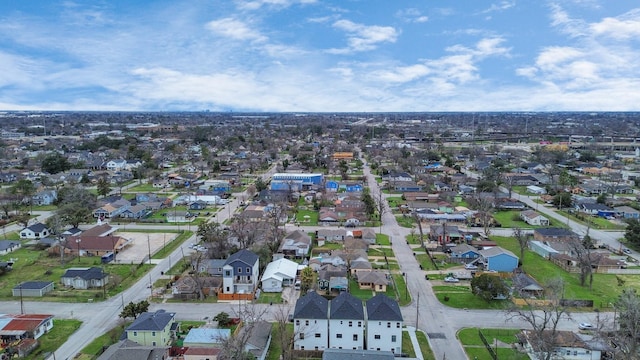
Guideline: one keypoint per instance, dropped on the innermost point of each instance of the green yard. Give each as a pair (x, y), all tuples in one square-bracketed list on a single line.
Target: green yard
[(500, 339), (511, 219), (51, 340)]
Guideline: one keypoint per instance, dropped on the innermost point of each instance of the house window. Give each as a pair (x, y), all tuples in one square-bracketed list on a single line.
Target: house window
[(135, 333), (355, 337), (301, 336), (227, 289), (339, 336), (377, 337), (153, 343), (388, 324), (398, 325), (350, 323), (227, 273), (318, 335), (306, 322), (301, 347), (393, 338), (153, 333), (239, 270), (248, 270), (359, 323)]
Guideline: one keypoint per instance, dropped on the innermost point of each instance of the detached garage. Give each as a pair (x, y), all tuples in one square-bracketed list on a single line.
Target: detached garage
[(33, 288)]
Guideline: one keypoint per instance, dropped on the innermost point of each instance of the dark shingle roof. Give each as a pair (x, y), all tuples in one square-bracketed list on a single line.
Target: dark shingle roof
[(243, 255), (346, 306), (33, 285), (381, 307), (152, 321), (554, 232), (37, 227), (311, 306), (85, 273)]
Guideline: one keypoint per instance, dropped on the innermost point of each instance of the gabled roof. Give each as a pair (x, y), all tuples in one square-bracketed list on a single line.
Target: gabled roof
[(152, 321), (346, 306), (8, 244), (495, 251), (37, 227), (374, 277), (311, 306), (244, 256), (18, 324), (277, 268), (554, 232), (382, 307), (33, 285), (85, 273)]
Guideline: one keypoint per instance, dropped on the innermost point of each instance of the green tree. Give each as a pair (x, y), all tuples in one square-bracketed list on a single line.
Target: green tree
[(489, 287), (260, 184), (223, 319), (562, 199), (103, 186), (24, 189), (632, 233), (132, 310), (54, 163), (306, 279), (75, 204)]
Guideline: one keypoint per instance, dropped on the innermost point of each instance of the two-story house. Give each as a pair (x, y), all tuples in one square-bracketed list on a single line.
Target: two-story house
[(346, 322), (240, 276), (311, 322), (384, 324), (153, 328)]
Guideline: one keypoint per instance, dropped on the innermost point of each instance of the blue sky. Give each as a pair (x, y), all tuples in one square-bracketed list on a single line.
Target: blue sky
[(320, 55)]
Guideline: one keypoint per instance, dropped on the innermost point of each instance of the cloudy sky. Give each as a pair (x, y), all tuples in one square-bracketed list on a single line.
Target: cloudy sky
[(320, 55)]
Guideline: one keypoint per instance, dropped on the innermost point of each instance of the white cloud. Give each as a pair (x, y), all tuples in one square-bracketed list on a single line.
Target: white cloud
[(257, 4), (363, 38), (500, 6), (412, 15), (625, 27), (561, 19), (235, 29), (402, 74)]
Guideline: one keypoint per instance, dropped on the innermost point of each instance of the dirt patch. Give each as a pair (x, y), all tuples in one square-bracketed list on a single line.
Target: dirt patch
[(141, 243)]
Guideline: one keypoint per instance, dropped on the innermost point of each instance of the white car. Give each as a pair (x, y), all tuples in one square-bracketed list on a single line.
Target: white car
[(586, 326), (450, 279), (471, 267)]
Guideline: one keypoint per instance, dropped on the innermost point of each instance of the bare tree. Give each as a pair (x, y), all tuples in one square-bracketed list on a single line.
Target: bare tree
[(581, 250), (286, 338), (543, 319), (484, 206), (197, 258), (275, 215), (234, 347), (523, 241), (381, 207), (246, 232), (627, 335)]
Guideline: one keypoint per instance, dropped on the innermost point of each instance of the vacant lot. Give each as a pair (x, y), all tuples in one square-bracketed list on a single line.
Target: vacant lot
[(141, 244)]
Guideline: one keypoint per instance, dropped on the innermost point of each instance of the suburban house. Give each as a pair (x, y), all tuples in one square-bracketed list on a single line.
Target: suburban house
[(32, 288), (87, 245), (116, 164), (627, 212), (327, 272), (532, 217), (464, 253), (112, 210), (187, 286), (569, 345), (44, 198), (85, 278), (277, 274), (135, 212), (384, 324), (153, 328), (7, 246), (24, 326), (212, 266), (444, 234), (258, 340), (206, 337), (554, 234), (240, 276), (330, 235), (178, 216), (295, 245), (127, 349), (35, 231), (346, 322), (375, 280), (311, 322), (595, 209), (499, 259)]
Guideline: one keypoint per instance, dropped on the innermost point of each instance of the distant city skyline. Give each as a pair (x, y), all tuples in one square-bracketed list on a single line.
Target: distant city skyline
[(320, 56)]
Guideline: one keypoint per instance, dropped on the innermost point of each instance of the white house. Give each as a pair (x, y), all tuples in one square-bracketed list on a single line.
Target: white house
[(116, 164), (531, 217), (35, 231), (346, 322), (277, 274), (311, 322), (384, 324), (569, 346)]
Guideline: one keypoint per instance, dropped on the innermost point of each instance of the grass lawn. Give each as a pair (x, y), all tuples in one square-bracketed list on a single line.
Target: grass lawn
[(595, 222), (507, 220), (57, 336), (381, 252), (605, 286), (143, 188), (405, 221), (109, 338), (460, 297), (403, 294), (427, 353), (172, 245), (11, 236), (44, 207), (307, 217), (267, 298), (395, 201), (474, 347), (360, 293), (441, 262), (382, 239), (36, 265), (407, 346), (275, 348)]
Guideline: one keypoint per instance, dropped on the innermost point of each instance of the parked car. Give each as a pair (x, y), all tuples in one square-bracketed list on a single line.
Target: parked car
[(586, 326), (451, 279), (471, 267), (626, 251)]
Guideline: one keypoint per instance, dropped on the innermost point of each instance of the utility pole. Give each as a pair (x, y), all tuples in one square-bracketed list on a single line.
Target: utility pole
[(417, 311)]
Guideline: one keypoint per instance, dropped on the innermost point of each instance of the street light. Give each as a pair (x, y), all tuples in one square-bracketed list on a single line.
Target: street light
[(78, 241)]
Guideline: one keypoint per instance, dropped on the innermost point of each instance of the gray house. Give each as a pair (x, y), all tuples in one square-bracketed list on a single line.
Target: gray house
[(7, 246), (85, 278)]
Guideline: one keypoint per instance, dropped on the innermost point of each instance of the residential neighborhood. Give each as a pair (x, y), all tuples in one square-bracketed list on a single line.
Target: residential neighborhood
[(349, 232)]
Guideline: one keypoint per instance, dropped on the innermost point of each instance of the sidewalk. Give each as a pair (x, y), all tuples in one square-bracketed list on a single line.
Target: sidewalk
[(414, 341)]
